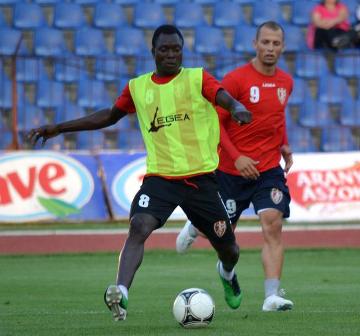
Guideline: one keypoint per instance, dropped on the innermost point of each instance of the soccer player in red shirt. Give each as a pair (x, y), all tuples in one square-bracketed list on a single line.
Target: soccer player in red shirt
[(249, 169)]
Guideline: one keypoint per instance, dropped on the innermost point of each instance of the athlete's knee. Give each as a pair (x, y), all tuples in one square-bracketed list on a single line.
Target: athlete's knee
[(229, 253), (271, 221), (141, 226), (272, 231)]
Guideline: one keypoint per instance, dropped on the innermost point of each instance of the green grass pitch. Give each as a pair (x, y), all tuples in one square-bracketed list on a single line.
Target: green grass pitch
[(63, 295)]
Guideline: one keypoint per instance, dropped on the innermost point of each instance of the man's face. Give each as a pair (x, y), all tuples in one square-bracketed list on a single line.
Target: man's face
[(168, 54), (269, 45)]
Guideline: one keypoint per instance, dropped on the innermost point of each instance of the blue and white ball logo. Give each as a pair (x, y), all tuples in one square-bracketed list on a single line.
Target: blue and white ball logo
[(127, 182)]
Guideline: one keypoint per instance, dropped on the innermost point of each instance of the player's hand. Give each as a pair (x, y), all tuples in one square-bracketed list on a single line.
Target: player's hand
[(247, 167), (287, 156), (240, 114), (44, 132)]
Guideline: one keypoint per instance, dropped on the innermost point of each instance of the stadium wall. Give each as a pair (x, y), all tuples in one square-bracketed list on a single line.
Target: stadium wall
[(43, 186)]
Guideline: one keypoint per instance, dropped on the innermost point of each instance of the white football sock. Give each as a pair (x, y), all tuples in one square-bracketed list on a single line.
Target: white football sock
[(271, 287), (225, 274), (124, 291)]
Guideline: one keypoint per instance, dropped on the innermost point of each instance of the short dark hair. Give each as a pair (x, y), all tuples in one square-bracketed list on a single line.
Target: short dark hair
[(168, 30), (271, 25)]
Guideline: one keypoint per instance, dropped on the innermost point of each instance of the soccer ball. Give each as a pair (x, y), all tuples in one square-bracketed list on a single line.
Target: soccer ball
[(194, 308)]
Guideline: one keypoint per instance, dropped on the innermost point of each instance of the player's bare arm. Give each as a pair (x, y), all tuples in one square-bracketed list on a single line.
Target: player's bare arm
[(237, 110), (100, 119), (287, 156)]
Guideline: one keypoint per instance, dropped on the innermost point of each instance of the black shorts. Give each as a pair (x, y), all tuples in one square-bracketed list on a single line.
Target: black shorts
[(268, 191), (199, 198)]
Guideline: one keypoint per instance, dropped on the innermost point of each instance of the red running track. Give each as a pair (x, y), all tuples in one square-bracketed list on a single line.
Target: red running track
[(47, 242)]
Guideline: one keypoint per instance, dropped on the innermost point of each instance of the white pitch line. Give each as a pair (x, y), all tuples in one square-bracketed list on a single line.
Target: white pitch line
[(240, 229)]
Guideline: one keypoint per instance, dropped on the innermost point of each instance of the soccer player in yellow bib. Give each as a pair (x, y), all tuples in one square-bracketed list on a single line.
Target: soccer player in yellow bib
[(180, 128)]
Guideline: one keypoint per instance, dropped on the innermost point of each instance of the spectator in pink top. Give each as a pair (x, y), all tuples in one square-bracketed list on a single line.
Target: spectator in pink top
[(329, 19)]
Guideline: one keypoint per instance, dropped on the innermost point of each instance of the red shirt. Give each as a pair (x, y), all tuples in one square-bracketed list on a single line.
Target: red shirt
[(266, 97), (210, 87)]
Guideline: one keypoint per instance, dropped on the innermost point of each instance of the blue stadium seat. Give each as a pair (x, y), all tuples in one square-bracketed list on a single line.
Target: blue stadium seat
[(50, 94), (227, 63), (110, 68), (193, 60), (122, 82), (55, 144), (352, 5), (30, 70), (122, 140), (282, 64), (50, 42), (53, 116), (205, 2), (93, 140), (2, 124), (130, 140), (6, 93), (70, 69), (227, 14), (245, 2), (313, 113), (28, 16), (2, 73), (347, 63), (5, 139), (189, 15), (129, 41), (47, 2), (126, 2), (148, 15), (333, 89), (301, 139), (86, 2), (358, 91), (167, 2), (9, 40), (9, 2), (337, 139), (3, 22), (109, 16), (144, 63), (290, 120), (30, 116), (300, 93), (301, 12), (266, 10), (69, 16), (135, 140), (92, 94), (69, 111), (284, 1), (350, 113), (294, 38), (209, 40), (310, 65), (90, 42), (243, 39)]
